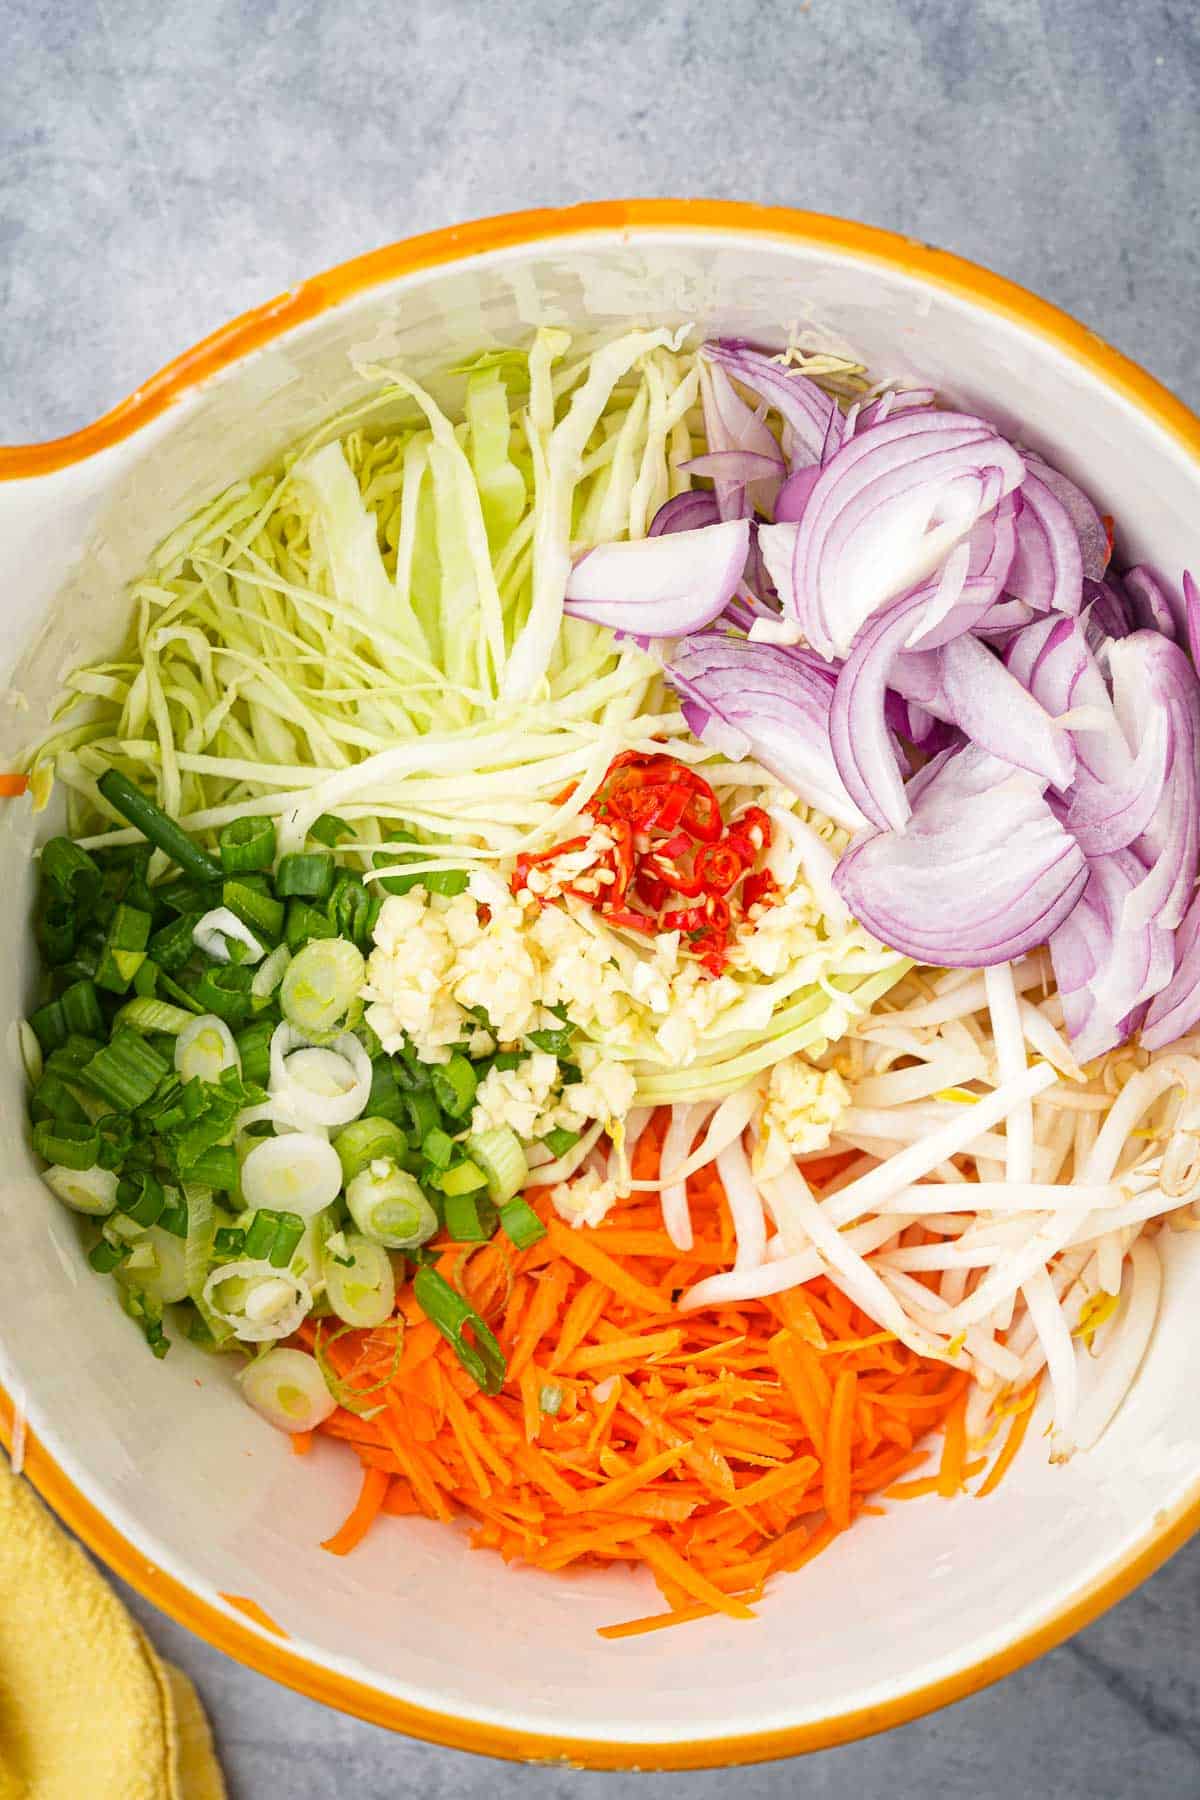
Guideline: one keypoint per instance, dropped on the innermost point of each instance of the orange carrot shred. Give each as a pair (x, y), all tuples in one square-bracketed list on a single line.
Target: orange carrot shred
[(371, 1497), (838, 1444), (1012, 1443)]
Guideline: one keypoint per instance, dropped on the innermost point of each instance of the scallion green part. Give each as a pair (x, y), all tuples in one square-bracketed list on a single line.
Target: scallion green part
[(330, 830), (454, 1085), (366, 1140), (125, 1072), (72, 872), (73, 1144), (245, 845), (470, 1219), (305, 875), (520, 1224), (261, 912), (81, 1009), (304, 923), (500, 1155), (463, 1328), (150, 1016), (153, 823), (224, 989), (559, 1141)]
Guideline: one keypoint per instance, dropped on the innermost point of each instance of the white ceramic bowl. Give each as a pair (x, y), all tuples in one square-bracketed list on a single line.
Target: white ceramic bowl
[(176, 1483)]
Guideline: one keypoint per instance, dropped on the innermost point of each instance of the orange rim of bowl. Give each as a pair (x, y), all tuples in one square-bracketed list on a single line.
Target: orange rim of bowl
[(267, 1654)]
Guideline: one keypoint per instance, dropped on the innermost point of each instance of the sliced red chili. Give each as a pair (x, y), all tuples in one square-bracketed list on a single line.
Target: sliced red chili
[(719, 866), (677, 876), (758, 887), (702, 816), (631, 921), (754, 824)]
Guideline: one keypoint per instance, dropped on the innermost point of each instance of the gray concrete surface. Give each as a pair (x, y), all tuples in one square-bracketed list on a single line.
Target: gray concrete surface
[(163, 166)]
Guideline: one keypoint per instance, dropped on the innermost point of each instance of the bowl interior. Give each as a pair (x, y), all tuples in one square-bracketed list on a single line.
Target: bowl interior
[(210, 1493)]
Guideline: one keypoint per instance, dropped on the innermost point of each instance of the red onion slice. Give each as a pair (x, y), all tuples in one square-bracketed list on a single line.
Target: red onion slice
[(1104, 971), (1047, 570), (805, 409), (792, 497), (886, 513), (1089, 526), (989, 705), (1176, 1008), (661, 586), (729, 424), (983, 873), (1191, 602), (770, 703), (859, 734), (686, 512), (1150, 673), (1152, 610)]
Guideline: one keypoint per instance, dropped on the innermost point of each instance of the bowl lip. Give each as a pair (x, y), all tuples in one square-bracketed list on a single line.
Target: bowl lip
[(227, 1629)]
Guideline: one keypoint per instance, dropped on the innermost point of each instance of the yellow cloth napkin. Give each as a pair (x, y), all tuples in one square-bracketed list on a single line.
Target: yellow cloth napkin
[(87, 1709)]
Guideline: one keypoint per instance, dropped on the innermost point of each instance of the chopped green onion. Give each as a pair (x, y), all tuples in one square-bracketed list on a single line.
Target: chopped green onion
[(350, 907), (386, 1101), (462, 1178), (174, 1217), (254, 1051), (124, 948), (81, 1009), (288, 1389), (330, 830), (520, 1224), (190, 896), (437, 1147), (49, 1025), (445, 1308), (55, 928), (387, 859), (224, 989), (365, 1141), (298, 1171), (141, 1199), (153, 1016), (321, 984), (559, 1141), (125, 1072), (223, 936), (306, 875), (72, 871), (422, 1110), (267, 977), (469, 1219), (229, 1240), (105, 1257), (500, 1156), (173, 943), (273, 1237), (52, 1099), (361, 1285), (154, 825), (92, 1191), (247, 844), (74, 1145), (304, 923), (204, 1049), (506, 1060), (454, 1085), (263, 914), (215, 1168), (389, 1206)]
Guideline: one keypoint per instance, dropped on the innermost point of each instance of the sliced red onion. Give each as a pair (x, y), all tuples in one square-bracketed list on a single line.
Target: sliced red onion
[(663, 586), (792, 497), (771, 703), (737, 467), (805, 409), (1191, 602), (980, 576), (729, 424), (990, 706), (1089, 526), (1047, 570), (1176, 1008), (885, 515), (894, 401), (1149, 673), (1109, 612), (859, 736), (1152, 610), (1104, 971), (983, 873), (686, 512)]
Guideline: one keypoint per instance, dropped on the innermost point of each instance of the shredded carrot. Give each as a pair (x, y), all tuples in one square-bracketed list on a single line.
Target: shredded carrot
[(1012, 1443), (302, 1442), (13, 786), (370, 1498), (714, 1449), (839, 1449), (254, 1611), (954, 1450)]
